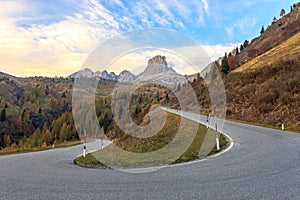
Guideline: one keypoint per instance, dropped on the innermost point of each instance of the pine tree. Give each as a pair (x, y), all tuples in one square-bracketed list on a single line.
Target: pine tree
[(241, 47), (49, 137), (63, 133), (282, 12), (246, 43), (36, 138), (157, 96), (138, 109), (3, 115), (7, 140), (225, 66), (167, 97), (105, 123), (56, 127), (198, 77), (262, 30)]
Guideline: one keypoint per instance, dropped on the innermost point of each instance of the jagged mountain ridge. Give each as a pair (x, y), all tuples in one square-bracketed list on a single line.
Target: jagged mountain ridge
[(157, 70), (88, 73)]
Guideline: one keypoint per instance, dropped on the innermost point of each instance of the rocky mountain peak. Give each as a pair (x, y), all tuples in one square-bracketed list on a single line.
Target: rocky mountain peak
[(157, 60), (126, 76), (156, 64), (158, 71)]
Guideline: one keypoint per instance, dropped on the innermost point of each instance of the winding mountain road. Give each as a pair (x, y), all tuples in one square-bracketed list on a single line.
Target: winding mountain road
[(262, 164)]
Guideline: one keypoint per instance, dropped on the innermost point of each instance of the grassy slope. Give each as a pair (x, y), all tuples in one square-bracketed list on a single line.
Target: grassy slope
[(28, 150), (289, 50), (164, 137)]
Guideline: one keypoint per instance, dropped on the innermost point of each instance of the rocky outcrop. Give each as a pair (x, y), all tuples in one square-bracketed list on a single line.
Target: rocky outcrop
[(156, 64), (126, 76), (157, 71)]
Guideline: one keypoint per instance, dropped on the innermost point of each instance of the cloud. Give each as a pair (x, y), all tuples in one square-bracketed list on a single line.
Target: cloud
[(240, 27), (205, 5), (57, 48), (57, 42)]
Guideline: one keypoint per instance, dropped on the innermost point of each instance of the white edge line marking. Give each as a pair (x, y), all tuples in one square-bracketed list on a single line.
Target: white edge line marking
[(208, 157), (193, 161)]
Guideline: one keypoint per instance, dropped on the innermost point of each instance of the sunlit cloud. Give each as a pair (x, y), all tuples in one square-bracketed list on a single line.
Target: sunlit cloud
[(54, 49), (55, 37)]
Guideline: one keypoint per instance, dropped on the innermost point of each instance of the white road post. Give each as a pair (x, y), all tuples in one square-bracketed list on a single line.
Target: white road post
[(84, 151), (207, 121), (282, 125), (101, 144), (218, 142), (217, 137)]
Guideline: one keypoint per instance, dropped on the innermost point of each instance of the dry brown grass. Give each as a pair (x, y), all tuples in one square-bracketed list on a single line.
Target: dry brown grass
[(289, 50)]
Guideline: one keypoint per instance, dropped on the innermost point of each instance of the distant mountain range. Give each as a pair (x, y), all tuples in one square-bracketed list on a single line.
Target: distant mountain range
[(88, 73), (157, 71)]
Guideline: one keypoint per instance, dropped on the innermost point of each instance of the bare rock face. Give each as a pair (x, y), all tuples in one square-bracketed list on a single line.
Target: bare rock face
[(156, 64), (157, 60), (158, 71)]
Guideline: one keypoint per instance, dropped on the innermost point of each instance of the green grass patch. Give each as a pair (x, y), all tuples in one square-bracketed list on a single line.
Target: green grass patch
[(166, 147)]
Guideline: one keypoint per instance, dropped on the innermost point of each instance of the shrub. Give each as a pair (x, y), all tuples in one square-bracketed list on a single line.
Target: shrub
[(268, 97)]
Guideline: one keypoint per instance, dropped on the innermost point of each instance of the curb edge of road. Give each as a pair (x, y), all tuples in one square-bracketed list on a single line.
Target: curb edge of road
[(207, 157), (231, 141), (226, 149)]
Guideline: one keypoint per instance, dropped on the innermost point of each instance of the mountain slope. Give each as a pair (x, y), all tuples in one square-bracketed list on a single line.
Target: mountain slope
[(11, 77), (277, 33), (289, 50), (265, 89)]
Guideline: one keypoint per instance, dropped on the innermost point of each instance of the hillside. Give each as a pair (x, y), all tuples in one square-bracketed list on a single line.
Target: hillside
[(263, 85), (277, 33), (5, 75), (288, 50)]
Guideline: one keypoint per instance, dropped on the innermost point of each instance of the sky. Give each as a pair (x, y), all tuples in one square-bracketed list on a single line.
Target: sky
[(54, 38)]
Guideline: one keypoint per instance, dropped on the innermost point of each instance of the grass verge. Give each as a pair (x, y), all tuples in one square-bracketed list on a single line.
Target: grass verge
[(5, 152), (295, 130), (201, 145)]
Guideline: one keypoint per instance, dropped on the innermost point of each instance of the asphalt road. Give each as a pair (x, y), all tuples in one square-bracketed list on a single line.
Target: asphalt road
[(263, 164)]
